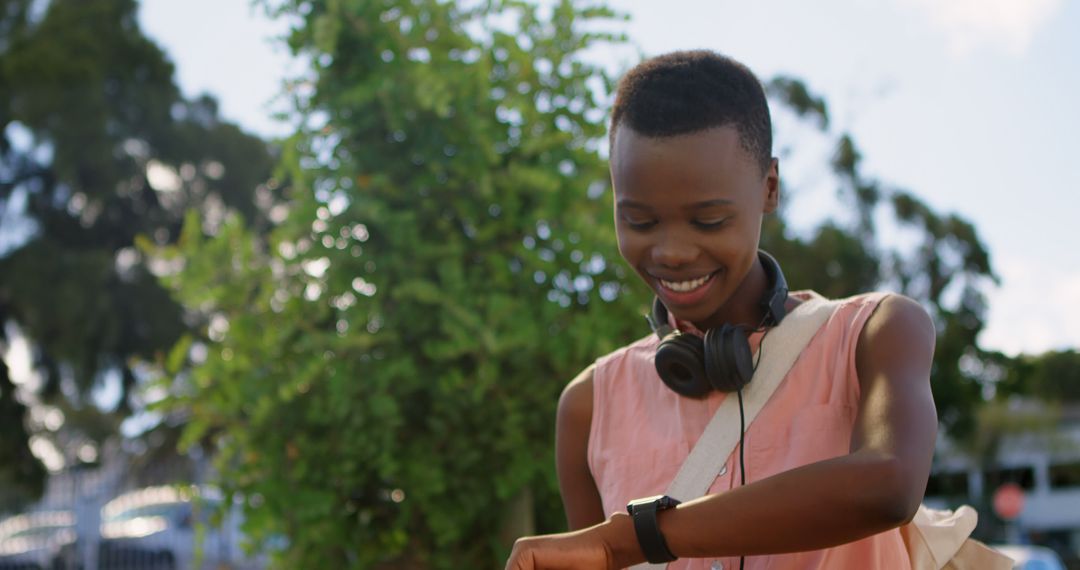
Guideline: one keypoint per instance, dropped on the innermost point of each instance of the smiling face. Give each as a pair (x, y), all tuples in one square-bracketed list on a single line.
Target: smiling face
[(688, 212)]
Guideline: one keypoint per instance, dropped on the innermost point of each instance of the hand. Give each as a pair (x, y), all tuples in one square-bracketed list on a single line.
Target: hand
[(609, 545), (567, 551)]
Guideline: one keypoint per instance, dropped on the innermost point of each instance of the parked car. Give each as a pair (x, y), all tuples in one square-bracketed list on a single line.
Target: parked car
[(163, 528), (43, 540), (1029, 557)]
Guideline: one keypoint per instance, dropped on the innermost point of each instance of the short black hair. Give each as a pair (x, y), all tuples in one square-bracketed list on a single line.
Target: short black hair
[(685, 92)]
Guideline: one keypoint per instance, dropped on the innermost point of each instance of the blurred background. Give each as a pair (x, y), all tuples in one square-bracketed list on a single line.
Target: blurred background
[(298, 283)]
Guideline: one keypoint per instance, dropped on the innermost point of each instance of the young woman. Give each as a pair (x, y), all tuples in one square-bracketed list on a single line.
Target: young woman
[(837, 459)]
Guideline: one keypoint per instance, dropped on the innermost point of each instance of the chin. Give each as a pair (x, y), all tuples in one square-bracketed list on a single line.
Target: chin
[(707, 306), (696, 316), (697, 313)]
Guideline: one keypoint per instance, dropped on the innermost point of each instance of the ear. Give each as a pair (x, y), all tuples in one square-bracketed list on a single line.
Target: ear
[(772, 186)]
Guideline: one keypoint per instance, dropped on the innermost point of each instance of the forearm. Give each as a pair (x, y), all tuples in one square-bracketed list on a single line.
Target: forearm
[(817, 506)]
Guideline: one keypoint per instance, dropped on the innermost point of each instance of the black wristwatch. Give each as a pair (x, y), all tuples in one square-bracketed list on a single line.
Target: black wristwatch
[(643, 511)]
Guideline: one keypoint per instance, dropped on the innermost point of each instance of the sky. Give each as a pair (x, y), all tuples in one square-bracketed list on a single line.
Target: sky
[(969, 104)]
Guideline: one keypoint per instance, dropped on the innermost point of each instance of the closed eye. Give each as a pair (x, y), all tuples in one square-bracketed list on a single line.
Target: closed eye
[(710, 224), (636, 222), (640, 225)]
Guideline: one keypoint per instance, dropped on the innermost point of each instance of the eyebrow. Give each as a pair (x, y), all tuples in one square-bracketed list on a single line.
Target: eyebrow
[(695, 206)]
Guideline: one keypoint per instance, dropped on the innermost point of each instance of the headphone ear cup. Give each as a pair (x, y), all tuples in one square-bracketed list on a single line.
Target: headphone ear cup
[(680, 364), (729, 362)]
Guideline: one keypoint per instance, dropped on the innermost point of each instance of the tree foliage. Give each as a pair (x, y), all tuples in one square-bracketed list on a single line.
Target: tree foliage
[(89, 114), (387, 366), (947, 269), (1052, 377)]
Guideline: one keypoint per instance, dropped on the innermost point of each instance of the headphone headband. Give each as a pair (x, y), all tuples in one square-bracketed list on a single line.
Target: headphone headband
[(775, 299)]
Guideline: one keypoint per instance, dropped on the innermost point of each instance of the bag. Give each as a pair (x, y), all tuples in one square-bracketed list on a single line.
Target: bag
[(940, 540)]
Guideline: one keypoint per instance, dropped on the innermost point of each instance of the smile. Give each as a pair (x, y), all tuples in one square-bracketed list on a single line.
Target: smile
[(685, 286)]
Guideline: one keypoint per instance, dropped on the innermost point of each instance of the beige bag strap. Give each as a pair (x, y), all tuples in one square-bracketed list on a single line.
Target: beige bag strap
[(779, 350)]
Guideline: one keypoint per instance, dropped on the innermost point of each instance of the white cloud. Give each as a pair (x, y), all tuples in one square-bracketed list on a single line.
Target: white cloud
[(968, 24), (1034, 310)]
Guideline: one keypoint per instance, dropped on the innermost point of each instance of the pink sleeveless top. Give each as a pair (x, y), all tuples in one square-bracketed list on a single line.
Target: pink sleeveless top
[(641, 433)]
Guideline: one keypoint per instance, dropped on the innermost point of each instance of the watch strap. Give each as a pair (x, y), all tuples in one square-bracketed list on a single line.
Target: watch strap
[(647, 528)]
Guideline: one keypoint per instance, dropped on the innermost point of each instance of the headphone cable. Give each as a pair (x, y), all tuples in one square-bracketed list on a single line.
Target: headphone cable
[(742, 428)]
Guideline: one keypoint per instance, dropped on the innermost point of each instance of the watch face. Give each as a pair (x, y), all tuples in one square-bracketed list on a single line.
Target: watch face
[(667, 502), (661, 501)]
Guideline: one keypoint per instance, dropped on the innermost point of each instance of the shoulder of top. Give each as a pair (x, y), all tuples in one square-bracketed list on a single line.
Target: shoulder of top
[(866, 298), (579, 390), (805, 296), (645, 345), (889, 314)]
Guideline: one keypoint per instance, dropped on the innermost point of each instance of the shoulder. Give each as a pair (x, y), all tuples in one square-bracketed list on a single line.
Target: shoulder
[(898, 334), (575, 403), (874, 314), (898, 321)]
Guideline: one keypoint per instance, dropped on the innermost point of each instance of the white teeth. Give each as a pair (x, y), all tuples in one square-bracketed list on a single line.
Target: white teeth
[(685, 286)]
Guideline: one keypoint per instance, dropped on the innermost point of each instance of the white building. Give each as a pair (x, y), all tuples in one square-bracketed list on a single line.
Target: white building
[(1037, 448)]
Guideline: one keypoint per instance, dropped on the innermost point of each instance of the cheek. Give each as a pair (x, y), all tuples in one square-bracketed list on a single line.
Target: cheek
[(734, 246), (734, 250), (631, 248), (742, 239)]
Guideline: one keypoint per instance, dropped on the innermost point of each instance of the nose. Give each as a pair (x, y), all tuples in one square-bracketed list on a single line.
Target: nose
[(673, 250)]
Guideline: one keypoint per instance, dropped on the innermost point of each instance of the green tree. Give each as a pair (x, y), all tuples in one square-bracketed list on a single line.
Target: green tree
[(387, 366), (90, 121), (947, 270), (1053, 376)]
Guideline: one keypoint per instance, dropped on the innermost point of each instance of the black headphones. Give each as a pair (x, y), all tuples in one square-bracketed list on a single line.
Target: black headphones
[(692, 366)]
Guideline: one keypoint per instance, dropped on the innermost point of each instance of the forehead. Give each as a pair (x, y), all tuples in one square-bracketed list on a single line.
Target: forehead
[(701, 164)]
